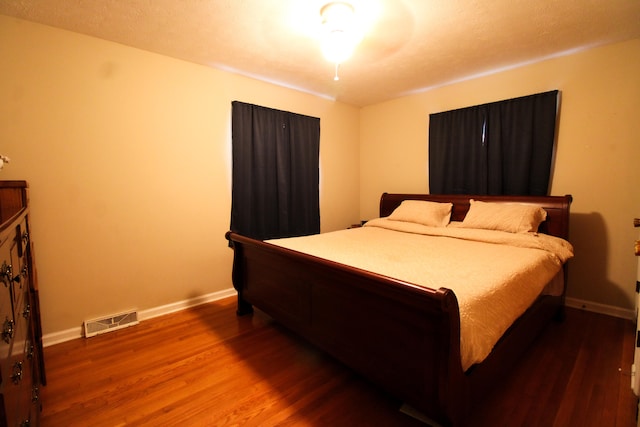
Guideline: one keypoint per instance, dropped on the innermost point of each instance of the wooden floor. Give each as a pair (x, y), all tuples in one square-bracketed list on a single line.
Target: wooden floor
[(206, 367)]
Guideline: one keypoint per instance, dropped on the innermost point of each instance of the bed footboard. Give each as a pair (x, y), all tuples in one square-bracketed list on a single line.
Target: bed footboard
[(402, 337)]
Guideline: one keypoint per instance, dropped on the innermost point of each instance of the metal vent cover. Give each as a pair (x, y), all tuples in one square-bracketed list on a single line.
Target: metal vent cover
[(110, 323)]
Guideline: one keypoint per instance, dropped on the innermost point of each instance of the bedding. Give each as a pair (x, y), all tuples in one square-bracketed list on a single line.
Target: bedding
[(510, 217), (433, 214), (495, 275)]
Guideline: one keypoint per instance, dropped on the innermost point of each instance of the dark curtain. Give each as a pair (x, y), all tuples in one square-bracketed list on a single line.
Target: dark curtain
[(275, 188), (450, 134), (521, 135), (504, 147)]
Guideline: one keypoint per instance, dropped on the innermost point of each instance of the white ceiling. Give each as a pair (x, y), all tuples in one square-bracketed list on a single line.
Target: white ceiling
[(412, 45)]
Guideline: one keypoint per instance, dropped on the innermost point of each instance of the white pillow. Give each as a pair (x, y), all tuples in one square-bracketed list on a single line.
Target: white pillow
[(433, 214), (511, 217)]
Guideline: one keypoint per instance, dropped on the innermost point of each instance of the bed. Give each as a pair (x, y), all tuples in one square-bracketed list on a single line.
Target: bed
[(409, 337)]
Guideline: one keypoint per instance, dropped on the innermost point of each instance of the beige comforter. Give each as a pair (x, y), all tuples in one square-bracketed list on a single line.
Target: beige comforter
[(495, 275)]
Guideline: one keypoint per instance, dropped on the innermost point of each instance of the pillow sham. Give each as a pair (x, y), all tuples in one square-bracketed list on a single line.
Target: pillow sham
[(433, 214), (510, 217)]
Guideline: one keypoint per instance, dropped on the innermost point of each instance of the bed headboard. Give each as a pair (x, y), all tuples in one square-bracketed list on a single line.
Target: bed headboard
[(557, 207)]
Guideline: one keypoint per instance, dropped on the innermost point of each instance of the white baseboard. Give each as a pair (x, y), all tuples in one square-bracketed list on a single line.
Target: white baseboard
[(62, 336), (74, 333), (181, 305), (414, 413), (596, 307)]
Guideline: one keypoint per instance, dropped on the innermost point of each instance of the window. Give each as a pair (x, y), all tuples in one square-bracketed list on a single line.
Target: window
[(504, 147), (275, 188)]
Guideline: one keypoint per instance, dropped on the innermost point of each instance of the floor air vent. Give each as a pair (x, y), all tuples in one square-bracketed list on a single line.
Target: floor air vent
[(107, 324)]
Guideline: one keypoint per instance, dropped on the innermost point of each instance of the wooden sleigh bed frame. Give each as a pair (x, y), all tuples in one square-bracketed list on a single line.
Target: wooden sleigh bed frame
[(402, 337)]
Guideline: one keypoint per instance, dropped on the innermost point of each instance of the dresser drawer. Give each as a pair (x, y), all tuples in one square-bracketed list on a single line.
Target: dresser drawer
[(7, 322), (22, 370), (17, 383)]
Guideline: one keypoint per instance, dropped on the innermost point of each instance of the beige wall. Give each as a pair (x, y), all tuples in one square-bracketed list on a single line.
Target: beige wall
[(597, 158), (127, 155)]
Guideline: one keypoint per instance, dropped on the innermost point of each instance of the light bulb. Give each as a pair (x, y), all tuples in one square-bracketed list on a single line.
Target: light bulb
[(339, 35)]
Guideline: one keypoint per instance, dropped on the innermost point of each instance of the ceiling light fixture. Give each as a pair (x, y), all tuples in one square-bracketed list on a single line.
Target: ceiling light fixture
[(340, 33)]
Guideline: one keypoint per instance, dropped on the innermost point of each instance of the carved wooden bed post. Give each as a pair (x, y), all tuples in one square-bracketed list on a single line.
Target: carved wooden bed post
[(236, 277)]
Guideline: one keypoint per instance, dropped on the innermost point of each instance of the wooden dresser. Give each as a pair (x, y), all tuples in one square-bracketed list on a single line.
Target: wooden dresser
[(21, 356)]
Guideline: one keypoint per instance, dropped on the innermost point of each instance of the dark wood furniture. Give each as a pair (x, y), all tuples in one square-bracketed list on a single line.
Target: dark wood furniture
[(21, 355), (403, 337)]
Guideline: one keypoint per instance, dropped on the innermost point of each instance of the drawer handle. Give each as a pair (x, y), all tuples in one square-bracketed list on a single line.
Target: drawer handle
[(16, 377), (7, 330), (30, 352), (27, 311), (6, 273)]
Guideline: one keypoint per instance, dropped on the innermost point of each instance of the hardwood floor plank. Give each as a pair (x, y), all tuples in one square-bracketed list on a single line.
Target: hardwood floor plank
[(207, 367)]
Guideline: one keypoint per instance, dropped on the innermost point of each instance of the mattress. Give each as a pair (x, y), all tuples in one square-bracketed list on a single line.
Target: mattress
[(494, 275)]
